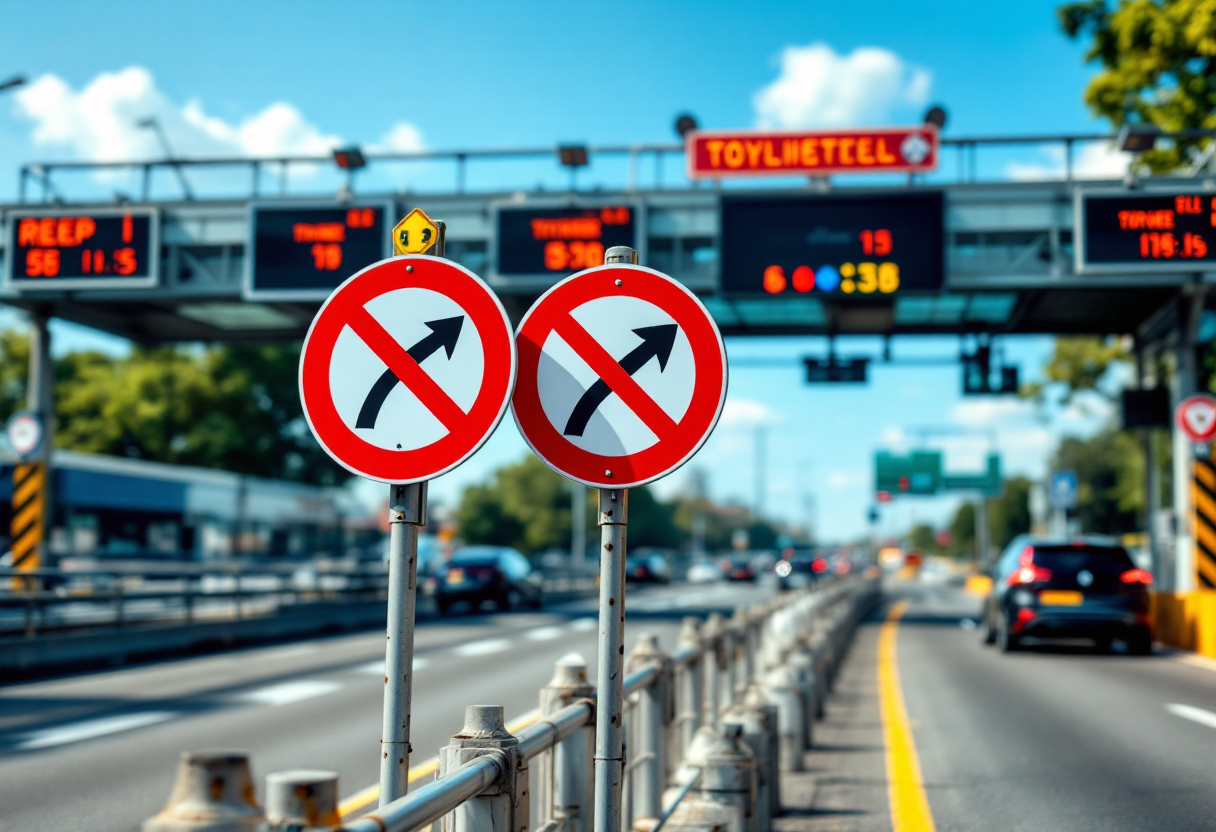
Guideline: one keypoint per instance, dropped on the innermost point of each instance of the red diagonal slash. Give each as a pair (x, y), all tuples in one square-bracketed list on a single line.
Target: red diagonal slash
[(406, 369), (623, 384)]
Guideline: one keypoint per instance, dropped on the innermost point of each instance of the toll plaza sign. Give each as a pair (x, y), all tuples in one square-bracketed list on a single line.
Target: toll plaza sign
[(1123, 231), (717, 154)]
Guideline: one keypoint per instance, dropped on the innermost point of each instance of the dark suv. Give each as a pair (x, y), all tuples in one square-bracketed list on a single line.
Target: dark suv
[(1085, 588), (487, 573)]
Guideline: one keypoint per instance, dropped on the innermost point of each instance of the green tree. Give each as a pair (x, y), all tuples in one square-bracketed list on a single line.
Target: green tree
[(1110, 477), (923, 538), (1078, 365), (1158, 60), (1009, 514)]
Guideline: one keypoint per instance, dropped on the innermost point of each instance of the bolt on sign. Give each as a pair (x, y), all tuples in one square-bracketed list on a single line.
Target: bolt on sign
[(622, 376), (718, 154)]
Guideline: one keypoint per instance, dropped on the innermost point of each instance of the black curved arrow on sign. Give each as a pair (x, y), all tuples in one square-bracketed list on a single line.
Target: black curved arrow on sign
[(657, 342), (444, 334)]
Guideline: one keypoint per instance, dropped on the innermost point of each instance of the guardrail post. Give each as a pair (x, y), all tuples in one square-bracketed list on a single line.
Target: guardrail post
[(503, 807), (782, 689), (572, 796), (298, 800), (759, 722), (655, 712), (741, 660), (727, 779), (213, 792), (690, 687), (715, 663)]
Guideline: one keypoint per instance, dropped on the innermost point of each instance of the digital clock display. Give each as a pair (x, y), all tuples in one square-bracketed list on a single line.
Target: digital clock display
[(303, 252), (1137, 232), (554, 242), (871, 245), (96, 249)]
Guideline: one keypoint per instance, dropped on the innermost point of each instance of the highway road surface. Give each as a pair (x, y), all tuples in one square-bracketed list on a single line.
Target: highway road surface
[(98, 751), (1048, 740)]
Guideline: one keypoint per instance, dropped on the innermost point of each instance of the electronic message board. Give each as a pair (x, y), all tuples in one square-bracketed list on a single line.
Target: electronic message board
[(552, 242), (303, 252), (103, 249), (1124, 231), (855, 245)]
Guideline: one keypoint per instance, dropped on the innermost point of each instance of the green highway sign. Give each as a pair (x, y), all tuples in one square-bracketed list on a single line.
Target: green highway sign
[(920, 473)]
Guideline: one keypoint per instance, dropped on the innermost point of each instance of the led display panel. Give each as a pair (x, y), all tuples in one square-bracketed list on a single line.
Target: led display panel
[(552, 242), (1145, 232), (82, 249)]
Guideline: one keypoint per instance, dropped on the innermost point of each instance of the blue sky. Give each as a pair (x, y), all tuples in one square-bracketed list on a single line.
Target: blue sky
[(236, 78)]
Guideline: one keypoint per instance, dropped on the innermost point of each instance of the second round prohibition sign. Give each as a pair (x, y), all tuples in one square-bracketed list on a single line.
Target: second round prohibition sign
[(407, 369), (622, 376)]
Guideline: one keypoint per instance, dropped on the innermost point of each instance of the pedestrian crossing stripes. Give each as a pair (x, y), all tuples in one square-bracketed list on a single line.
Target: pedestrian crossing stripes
[(29, 510), (1204, 498)]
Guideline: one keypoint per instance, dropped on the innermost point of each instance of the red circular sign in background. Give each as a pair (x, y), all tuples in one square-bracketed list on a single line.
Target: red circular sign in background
[(686, 436), (346, 304), (1180, 419)]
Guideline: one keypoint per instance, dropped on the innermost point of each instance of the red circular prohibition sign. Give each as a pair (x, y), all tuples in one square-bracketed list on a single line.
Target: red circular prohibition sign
[(678, 441), (466, 431)]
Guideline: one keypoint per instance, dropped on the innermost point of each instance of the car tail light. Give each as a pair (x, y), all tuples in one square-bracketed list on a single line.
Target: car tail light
[(1136, 576), (1025, 616), (725, 565), (1028, 573), (641, 572), (819, 565)]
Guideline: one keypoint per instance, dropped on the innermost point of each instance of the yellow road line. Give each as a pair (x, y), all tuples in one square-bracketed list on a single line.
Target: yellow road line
[(364, 798), (905, 786)]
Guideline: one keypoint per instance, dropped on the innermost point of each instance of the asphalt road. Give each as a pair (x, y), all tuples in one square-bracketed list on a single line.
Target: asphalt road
[(98, 751), (1056, 738)]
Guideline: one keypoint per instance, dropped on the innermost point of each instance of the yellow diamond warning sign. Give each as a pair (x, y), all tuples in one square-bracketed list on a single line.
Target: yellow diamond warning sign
[(415, 234)]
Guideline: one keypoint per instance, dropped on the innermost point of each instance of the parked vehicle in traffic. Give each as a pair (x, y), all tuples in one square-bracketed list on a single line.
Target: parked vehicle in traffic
[(647, 567), (799, 567), (738, 568), (703, 572), (476, 574), (1085, 588)]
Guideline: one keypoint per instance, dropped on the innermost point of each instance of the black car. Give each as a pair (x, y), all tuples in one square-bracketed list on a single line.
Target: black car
[(738, 568), (647, 568), (800, 567), (1086, 588), (487, 573)]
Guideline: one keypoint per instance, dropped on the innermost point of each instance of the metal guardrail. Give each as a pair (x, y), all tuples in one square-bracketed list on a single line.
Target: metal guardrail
[(966, 165), (47, 600), (710, 727)]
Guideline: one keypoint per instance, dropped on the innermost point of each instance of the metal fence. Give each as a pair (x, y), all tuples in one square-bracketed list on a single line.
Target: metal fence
[(708, 730)]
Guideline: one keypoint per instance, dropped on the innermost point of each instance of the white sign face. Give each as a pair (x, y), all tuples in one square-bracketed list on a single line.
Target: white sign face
[(648, 344), (24, 431), (1196, 417)]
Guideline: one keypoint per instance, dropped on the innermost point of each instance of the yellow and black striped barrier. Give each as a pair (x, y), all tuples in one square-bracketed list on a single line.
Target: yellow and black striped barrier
[(1203, 497), (29, 510)]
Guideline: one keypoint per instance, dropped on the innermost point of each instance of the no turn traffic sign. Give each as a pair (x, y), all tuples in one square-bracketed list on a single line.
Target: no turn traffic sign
[(622, 376), (1196, 417), (407, 369)]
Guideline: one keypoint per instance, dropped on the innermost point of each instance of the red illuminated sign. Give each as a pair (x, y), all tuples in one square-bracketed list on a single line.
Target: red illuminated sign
[(532, 241), (1145, 231), (85, 249), (713, 155)]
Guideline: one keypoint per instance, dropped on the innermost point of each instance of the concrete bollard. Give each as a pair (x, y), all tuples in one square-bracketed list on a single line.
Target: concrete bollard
[(302, 800), (503, 807), (654, 713), (213, 792), (715, 664), (569, 792), (782, 688), (690, 694), (728, 775), (804, 663), (759, 722)]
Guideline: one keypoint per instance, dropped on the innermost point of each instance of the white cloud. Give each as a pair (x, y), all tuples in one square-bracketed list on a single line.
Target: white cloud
[(846, 479), (1096, 160), (986, 412), (819, 87), (100, 122), (747, 413)]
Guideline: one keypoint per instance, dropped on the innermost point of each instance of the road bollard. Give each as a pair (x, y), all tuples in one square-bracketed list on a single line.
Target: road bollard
[(741, 664), (715, 663), (759, 722), (690, 694), (569, 792), (297, 801), (503, 807), (213, 792), (781, 688), (654, 714), (727, 775), (804, 664)]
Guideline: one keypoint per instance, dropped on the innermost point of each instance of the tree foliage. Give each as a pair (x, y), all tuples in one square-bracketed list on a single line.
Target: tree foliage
[(230, 407), (1110, 478), (1158, 60), (1008, 516), (1079, 365)]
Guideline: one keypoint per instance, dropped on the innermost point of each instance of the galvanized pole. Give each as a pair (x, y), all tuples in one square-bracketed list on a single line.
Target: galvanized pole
[(578, 526), (610, 692), (406, 512)]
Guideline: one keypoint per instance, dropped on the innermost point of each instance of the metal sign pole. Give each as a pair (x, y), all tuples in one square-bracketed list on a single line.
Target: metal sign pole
[(406, 512), (609, 683)]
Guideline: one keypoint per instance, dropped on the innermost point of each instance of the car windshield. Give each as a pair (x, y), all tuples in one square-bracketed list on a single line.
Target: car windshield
[(1075, 558), (474, 556)]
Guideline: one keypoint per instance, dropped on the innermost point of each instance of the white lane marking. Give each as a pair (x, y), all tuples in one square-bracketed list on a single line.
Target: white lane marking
[(582, 625), (482, 648), (288, 652), (376, 668), (544, 634), (967, 624), (1193, 714), (288, 692), (92, 728)]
